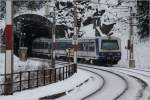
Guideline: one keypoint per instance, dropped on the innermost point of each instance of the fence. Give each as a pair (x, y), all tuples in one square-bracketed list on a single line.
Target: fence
[(32, 79)]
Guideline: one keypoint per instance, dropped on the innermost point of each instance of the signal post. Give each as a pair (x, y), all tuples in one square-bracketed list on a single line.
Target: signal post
[(75, 37), (8, 88), (131, 41)]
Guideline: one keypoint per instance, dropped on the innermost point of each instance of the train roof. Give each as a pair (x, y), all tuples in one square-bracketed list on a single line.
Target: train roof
[(70, 39), (109, 37)]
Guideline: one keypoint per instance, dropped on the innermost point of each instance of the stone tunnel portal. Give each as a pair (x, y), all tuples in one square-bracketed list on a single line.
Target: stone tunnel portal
[(28, 27)]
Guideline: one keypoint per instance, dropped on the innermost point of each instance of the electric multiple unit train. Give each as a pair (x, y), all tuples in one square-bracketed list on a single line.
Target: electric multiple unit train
[(101, 50)]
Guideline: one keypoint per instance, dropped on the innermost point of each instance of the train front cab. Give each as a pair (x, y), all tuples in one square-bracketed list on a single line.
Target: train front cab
[(108, 50)]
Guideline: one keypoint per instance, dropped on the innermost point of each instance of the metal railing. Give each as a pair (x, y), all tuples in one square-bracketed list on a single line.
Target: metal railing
[(36, 78)]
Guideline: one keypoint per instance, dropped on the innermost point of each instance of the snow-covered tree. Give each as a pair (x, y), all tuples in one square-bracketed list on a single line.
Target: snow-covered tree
[(143, 18)]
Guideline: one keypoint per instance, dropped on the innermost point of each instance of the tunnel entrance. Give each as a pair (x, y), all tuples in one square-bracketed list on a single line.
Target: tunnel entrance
[(28, 27)]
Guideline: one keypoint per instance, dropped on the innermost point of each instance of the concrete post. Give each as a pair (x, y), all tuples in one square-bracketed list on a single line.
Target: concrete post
[(53, 39), (23, 53), (75, 37), (131, 38)]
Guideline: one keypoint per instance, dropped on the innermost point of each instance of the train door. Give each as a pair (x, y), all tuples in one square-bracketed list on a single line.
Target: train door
[(82, 51), (86, 49), (97, 45)]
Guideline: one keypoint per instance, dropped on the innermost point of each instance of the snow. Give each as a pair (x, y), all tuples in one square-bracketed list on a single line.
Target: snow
[(2, 64), (17, 63), (146, 91), (136, 90), (2, 23), (142, 54), (133, 90), (80, 93), (112, 82), (70, 83), (88, 30), (121, 29), (136, 74), (24, 10), (62, 86)]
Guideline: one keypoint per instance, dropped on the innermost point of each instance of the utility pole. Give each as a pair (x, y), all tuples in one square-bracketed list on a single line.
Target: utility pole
[(53, 38), (131, 43), (53, 16), (149, 16), (8, 88), (75, 37)]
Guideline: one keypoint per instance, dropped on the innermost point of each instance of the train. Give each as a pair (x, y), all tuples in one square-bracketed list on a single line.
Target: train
[(99, 50)]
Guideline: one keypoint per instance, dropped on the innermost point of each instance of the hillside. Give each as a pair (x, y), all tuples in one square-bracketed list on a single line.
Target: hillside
[(92, 13)]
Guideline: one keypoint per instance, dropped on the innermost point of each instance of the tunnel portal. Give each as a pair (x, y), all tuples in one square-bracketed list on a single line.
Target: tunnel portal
[(28, 27)]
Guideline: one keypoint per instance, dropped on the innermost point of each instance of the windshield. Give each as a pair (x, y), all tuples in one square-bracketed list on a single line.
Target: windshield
[(109, 45)]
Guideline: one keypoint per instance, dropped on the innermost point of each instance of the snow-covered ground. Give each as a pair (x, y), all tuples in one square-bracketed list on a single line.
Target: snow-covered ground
[(121, 30), (20, 65), (63, 86), (113, 86)]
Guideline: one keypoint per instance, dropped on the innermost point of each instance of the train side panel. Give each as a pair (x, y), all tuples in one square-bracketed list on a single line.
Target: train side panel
[(101, 50), (87, 49)]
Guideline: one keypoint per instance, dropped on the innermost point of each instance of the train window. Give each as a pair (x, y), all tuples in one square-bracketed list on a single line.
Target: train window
[(91, 46), (57, 45), (36, 45), (61, 45), (68, 45), (80, 46), (109, 45), (84, 46), (87, 46), (45, 45), (40, 45), (49, 45)]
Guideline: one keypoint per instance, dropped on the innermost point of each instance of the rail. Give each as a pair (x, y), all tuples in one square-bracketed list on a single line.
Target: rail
[(32, 79)]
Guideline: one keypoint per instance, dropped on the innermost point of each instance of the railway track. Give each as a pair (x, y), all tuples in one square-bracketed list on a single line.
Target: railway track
[(115, 71), (143, 83), (115, 97), (97, 90), (141, 78), (101, 88), (100, 76), (146, 73), (140, 72), (118, 67)]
